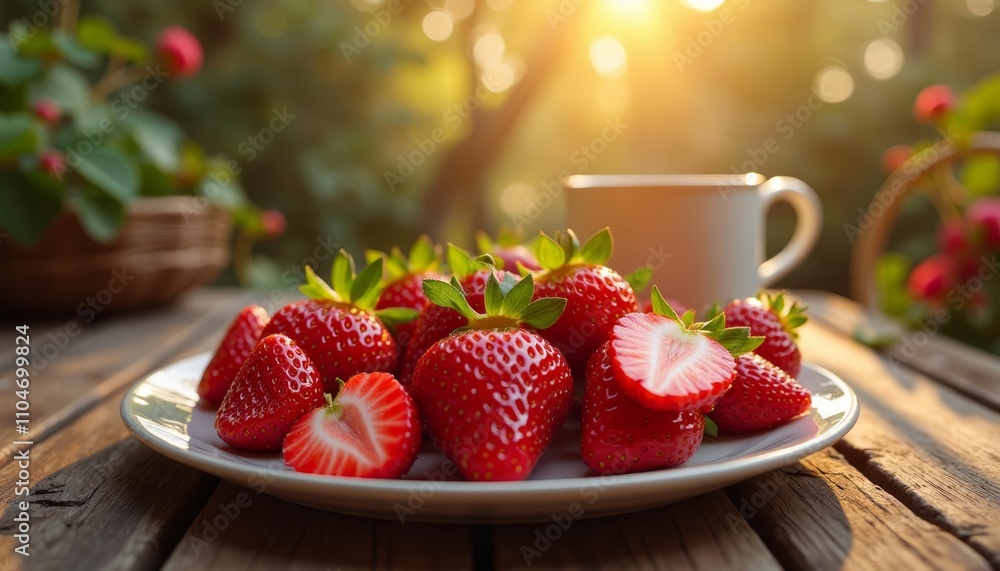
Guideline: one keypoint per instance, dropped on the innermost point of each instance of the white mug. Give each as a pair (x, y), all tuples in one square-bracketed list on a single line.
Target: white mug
[(701, 235)]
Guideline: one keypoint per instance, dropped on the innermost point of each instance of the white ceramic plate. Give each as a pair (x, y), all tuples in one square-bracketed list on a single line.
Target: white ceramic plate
[(162, 412)]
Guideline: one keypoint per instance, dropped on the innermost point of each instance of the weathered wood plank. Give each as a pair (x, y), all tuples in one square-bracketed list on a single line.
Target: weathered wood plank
[(824, 514), (935, 450), (970, 371), (243, 528), (705, 532)]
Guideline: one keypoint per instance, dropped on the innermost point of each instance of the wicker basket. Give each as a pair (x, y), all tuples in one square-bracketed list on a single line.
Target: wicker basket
[(166, 247), (900, 185)]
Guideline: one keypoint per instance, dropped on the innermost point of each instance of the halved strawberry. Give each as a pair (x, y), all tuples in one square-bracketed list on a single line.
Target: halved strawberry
[(776, 317), (762, 396), (402, 279), (371, 430), (621, 436), (239, 340), (668, 362), (276, 385)]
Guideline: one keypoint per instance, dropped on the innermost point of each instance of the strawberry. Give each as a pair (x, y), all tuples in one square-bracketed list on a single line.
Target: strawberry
[(668, 362), (371, 430), (508, 250), (338, 327), (403, 278), (762, 396), (276, 385), (621, 436), (240, 338), (773, 317), (596, 296), (436, 322), (494, 395)]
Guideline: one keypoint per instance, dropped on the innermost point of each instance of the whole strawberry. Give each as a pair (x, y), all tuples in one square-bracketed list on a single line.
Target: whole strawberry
[(276, 385), (762, 396), (596, 296), (403, 276), (494, 395), (668, 362), (775, 317), (239, 340), (371, 430), (338, 327), (621, 436), (436, 322)]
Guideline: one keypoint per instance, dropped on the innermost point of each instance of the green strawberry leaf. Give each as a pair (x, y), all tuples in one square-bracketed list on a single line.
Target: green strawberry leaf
[(711, 428), (517, 297), (661, 307), (460, 261), (365, 290), (550, 254), (688, 318), (508, 283), (342, 274), (737, 340), (597, 249), (492, 297), (394, 316), (639, 279), (316, 288), (716, 324), (423, 254), (542, 313), (449, 295)]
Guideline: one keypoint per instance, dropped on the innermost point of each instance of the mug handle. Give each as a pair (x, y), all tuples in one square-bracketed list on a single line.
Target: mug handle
[(809, 213)]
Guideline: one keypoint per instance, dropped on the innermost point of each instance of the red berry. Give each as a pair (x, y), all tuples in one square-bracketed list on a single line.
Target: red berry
[(52, 162), (933, 103), (621, 436), (180, 51), (985, 214), (664, 366), (951, 237), (895, 156), (273, 222), (406, 292), (762, 396), (276, 385), (774, 317), (46, 110), (239, 340), (932, 278), (371, 430), (512, 255)]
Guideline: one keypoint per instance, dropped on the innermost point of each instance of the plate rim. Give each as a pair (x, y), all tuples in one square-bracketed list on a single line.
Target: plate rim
[(456, 489)]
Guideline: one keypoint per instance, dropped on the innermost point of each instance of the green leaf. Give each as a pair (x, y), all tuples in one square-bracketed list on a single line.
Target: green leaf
[(15, 70), (737, 340), (447, 295), (158, 138), (100, 213), (661, 307), (316, 288), (64, 86), (550, 254), (221, 187), (891, 274), (460, 261), (365, 290), (597, 249), (981, 175), (639, 278), (711, 428), (542, 313), (393, 316), (96, 33), (28, 204), (108, 169), (18, 134), (423, 254), (72, 51), (518, 297), (342, 274), (716, 324), (492, 297)]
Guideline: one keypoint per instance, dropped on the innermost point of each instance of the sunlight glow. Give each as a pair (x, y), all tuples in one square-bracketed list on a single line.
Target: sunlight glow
[(502, 76), (515, 198), (980, 8), (488, 49), (460, 9), (499, 5), (438, 25), (834, 84), (702, 5), (607, 55), (883, 58)]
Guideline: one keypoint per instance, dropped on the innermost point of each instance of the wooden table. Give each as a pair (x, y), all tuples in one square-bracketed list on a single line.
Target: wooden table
[(915, 485)]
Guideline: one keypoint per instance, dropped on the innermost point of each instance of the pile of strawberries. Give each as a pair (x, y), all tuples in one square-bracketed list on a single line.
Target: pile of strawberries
[(346, 382)]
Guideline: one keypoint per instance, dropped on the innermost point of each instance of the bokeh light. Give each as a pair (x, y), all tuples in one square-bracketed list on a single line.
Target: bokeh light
[(499, 5), (883, 58), (702, 5), (460, 9), (515, 198), (834, 84), (607, 55), (980, 8), (488, 49), (438, 25), (502, 76)]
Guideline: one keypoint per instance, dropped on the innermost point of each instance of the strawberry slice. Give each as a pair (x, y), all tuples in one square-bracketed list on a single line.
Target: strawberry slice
[(668, 362), (240, 339), (371, 430), (762, 396), (276, 385)]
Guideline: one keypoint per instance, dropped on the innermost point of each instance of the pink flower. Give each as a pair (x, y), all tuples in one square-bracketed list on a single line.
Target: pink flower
[(179, 51), (52, 162), (273, 222), (895, 156), (933, 103), (46, 110)]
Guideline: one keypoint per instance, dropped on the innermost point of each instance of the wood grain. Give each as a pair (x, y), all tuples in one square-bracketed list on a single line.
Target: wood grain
[(242, 528), (705, 532), (930, 447), (823, 513)]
